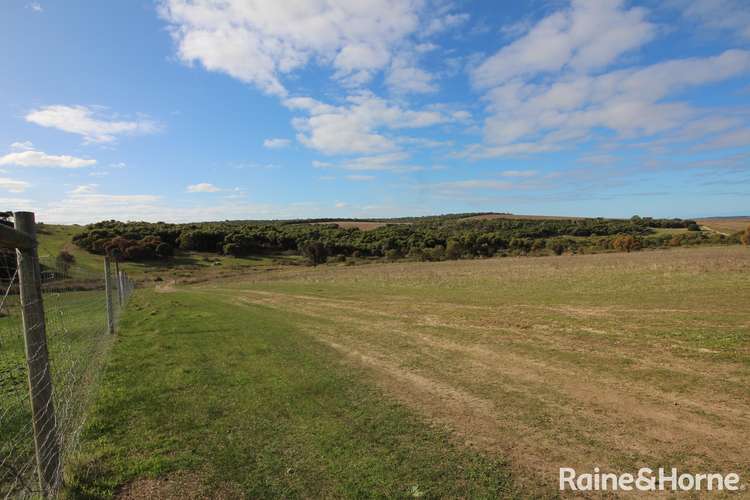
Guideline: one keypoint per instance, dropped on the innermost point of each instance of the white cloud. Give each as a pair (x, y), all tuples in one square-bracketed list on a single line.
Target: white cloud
[(631, 102), (721, 15), (461, 115), (388, 162), (22, 146), (732, 139), (480, 152), (32, 158), (587, 36), (203, 187), (84, 207), (89, 122), (84, 189), (356, 127), (445, 22), (518, 173), (12, 185), (341, 204), (405, 77), (361, 178), (258, 42), (474, 184), (36, 7), (276, 143)]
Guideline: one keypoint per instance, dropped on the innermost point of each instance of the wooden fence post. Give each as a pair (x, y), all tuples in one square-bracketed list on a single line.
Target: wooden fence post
[(118, 277), (108, 292), (46, 444)]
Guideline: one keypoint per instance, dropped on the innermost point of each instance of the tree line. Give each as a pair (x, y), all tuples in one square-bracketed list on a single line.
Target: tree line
[(428, 238)]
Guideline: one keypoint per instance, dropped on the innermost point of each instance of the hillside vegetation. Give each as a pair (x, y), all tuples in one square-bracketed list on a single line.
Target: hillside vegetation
[(429, 238)]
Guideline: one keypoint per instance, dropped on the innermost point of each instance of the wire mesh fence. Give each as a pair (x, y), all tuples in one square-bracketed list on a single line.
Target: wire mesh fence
[(37, 441)]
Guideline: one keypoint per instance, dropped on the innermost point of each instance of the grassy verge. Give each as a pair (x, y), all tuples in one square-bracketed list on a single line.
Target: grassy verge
[(206, 395)]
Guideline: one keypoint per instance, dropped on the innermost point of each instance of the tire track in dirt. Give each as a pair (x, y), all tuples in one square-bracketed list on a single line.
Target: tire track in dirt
[(577, 405)]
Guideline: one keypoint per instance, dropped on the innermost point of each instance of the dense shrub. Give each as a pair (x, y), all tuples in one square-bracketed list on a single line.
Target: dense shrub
[(626, 243), (315, 252), (428, 238), (64, 261)]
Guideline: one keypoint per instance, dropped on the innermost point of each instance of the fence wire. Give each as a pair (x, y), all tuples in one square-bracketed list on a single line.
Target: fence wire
[(75, 312)]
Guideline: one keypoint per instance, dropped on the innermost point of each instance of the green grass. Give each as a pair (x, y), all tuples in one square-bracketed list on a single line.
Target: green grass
[(53, 238), (286, 381), (574, 359), (77, 342), (243, 400)]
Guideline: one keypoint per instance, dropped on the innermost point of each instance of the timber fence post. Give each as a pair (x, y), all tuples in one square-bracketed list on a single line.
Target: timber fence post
[(118, 277), (108, 292), (46, 443)]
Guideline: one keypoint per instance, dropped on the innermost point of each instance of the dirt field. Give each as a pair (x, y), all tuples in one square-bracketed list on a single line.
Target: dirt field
[(726, 225), (617, 361)]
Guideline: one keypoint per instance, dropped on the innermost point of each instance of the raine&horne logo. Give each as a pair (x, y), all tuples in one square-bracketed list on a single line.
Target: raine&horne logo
[(648, 480)]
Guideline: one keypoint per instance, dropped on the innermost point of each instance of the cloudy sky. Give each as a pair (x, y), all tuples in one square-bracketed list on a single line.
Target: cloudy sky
[(212, 109)]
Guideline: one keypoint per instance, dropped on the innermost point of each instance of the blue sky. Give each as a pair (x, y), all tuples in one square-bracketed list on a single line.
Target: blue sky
[(182, 110)]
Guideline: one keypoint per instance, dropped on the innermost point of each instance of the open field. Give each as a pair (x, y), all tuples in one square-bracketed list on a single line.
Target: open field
[(465, 378), (726, 224)]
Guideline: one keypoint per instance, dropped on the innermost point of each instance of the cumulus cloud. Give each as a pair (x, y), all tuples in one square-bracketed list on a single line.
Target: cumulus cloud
[(84, 206), (259, 42), (518, 173), (12, 185), (358, 126), (22, 146), (84, 189), (202, 187), (360, 178), (91, 123), (473, 184), (276, 143), (630, 102), (405, 77), (388, 162), (731, 16), (444, 22), (25, 156), (587, 36), (553, 86)]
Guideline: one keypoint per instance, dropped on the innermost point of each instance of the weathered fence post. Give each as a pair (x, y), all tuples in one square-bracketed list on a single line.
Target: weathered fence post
[(118, 277), (121, 285), (46, 444), (108, 291)]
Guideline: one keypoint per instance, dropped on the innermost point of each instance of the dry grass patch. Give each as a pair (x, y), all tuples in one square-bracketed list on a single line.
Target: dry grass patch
[(727, 225)]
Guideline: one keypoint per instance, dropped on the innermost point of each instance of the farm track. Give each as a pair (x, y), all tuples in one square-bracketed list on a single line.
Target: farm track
[(547, 384)]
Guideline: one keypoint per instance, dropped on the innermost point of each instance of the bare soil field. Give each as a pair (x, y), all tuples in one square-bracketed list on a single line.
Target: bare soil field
[(612, 360), (726, 225)]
